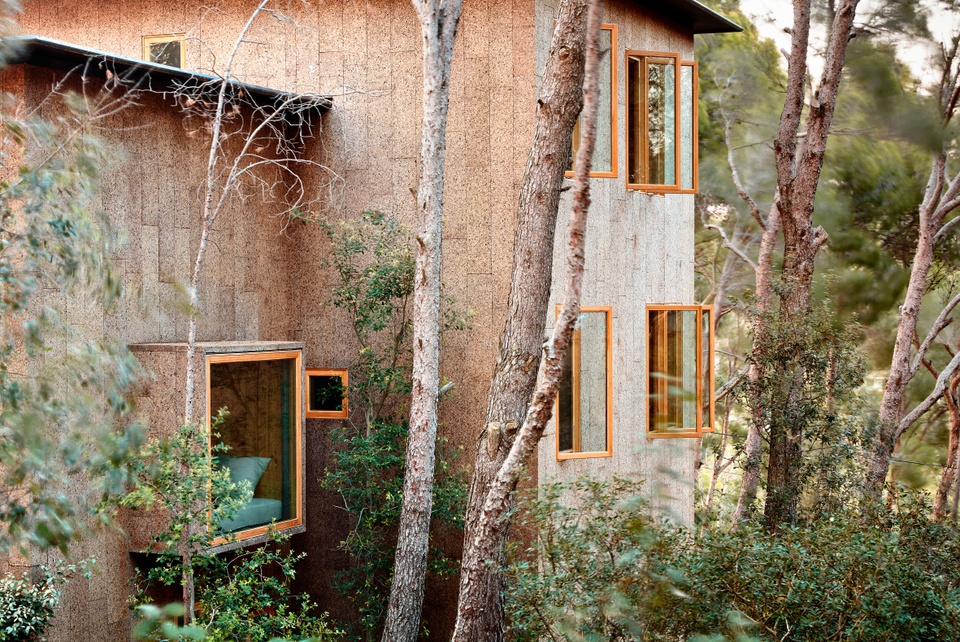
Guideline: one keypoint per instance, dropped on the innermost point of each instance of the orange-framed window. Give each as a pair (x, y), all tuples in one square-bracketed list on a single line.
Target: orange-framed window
[(584, 406), (661, 123), (327, 393), (261, 392), (604, 162), (680, 376), (166, 49)]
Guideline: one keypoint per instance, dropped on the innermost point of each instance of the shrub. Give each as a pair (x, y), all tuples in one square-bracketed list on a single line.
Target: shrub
[(239, 595), (609, 571), (26, 607)]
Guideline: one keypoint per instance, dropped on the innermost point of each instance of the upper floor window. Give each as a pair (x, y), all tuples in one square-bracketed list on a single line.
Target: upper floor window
[(661, 123), (604, 162), (680, 370), (166, 49), (585, 396)]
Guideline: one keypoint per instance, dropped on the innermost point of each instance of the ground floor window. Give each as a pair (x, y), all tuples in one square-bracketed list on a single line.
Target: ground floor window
[(261, 393), (680, 370), (584, 410)]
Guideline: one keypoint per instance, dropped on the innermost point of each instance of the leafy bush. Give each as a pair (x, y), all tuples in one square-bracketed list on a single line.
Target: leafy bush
[(608, 571), (367, 474), (375, 269), (238, 595), (27, 607)]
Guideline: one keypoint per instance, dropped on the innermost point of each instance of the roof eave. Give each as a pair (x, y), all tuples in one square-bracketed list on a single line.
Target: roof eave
[(53, 54)]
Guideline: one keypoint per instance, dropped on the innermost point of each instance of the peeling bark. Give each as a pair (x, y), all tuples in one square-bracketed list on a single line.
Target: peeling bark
[(949, 476)]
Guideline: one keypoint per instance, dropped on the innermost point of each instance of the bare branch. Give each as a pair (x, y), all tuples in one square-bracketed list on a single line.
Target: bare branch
[(943, 320), (726, 240), (730, 385), (735, 174), (942, 381)]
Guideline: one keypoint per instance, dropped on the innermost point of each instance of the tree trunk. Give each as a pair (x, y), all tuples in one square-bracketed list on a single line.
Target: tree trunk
[(753, 448), (480, 614), (799, 163), (439, 20), (900, 365), (949, 475)]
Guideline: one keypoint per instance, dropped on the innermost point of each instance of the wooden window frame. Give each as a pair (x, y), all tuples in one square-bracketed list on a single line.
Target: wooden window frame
[(695, 136), (234, 357), (575, 384), (699, 430), (614, 99), (344, 412), (146, 41)]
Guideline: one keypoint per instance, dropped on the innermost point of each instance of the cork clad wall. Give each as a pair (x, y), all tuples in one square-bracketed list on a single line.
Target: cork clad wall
[(150, 190), (367, 57), (266, 280), (639, 251)]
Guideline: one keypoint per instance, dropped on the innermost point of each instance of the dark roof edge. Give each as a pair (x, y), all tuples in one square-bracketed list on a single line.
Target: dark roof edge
[(53, 54), (702, 18)]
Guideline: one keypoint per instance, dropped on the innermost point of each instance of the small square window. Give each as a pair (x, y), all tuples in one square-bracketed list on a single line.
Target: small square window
[(327, 393), (166, 50), (680, 383), (261, 392), (661, 123), (584, 411)]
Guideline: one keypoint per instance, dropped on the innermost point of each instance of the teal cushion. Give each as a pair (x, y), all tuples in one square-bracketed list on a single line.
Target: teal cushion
[(250, 469), (258, 512)]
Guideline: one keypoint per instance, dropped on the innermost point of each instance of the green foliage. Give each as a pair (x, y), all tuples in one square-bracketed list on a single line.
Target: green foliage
[(609, 571), (367, 474), (375, 266), (373, 261), (587, 564), (62, 394), (242, 595), (26, 607), (178, 478), (155, 624), (810, 370)]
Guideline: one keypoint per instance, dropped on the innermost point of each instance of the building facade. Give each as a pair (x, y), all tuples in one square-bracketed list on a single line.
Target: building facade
[(266, 288)]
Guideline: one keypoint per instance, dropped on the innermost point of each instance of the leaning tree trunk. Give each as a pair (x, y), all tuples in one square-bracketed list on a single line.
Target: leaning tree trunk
[(480, 614), (799, 163), (900, 365), (753, 448), (439, 20)]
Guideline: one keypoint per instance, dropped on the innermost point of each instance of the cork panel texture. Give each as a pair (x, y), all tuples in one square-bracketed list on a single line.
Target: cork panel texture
[(265, 279), (150, 190)]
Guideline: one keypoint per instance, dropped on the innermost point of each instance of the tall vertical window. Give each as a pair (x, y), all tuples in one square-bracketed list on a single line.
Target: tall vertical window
[(604, 162), (261, 393), (167, 49), (585, 398), (680, 380), (661, 123)]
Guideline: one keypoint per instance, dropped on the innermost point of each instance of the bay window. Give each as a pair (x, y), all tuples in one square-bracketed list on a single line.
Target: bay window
[(261, 393), (680, 379), (661, 123)]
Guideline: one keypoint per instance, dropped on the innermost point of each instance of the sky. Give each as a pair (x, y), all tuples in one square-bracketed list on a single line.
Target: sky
[(772, 17)]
